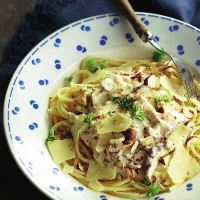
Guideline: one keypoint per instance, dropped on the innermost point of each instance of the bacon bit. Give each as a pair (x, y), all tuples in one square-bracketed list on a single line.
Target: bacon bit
[(61, 135), (97, 117), (153, 179), (187, 122), (137, 75), (162, 161), (58, 118), (145, 132), (71, 107), (160, 110), (146, 80), (136, 89), (129, 134), (89, 100), (75, 112), (188, 139), (166, 68), (125, 74), (126, 142), (177, 100)]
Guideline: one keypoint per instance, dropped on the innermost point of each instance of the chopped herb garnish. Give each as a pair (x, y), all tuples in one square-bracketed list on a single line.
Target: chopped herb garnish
[(164, 98), (87, 119), (158, 55), (154, 188), (116, 99), (51, 135), (110, 113), (127, 103), (138, 112), (92, 65), (69, 79)]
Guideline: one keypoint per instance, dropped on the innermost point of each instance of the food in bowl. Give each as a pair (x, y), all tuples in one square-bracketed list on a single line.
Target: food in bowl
[(125, 127)]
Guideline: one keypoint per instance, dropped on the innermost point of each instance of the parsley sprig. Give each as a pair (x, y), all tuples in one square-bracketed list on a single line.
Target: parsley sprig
[(69, 79), (158, 55), (153, 188), (127, 103), (164, 98), (87, 119), (51, 136), (138, 112), (92, 65)]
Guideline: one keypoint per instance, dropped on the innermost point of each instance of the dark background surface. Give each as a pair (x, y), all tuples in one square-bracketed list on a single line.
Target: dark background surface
[(23, 24)]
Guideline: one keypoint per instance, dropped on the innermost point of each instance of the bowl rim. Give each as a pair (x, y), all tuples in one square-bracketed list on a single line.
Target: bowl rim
[(10, 145)]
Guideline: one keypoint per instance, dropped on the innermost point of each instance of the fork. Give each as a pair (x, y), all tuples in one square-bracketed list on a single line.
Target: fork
[(147, 36)]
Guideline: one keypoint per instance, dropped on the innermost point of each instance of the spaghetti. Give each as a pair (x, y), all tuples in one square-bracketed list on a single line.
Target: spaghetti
[(123, 127)]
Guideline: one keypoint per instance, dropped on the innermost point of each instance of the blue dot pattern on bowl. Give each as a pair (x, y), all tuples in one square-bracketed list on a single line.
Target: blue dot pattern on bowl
[(57, 42), (129, 37), (55, 188), (36, 61), (174, 28), (103, 197), (21, 85), (15, 110), (34, 104), (57, 64), (33, 126), (43, 82), (197, 63), (85, 28), (78, 189), (156, 38), (189, 186), (145, 21), (19, 140), (55, 171), (80, 47), (103, 40), (180, 49), (158, 198), (198, 40), (114, 22)]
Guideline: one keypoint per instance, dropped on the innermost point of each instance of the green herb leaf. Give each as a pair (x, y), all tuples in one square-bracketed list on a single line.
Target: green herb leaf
[(102, 64), (110, 113), (127, 103), (51, 136), (93, 66), (158, 55), (154, 188), (116, 99), (87, 119), (138, 112), (164, 98), (69, 79)]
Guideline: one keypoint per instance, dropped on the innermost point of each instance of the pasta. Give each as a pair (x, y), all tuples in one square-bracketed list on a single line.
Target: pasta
[(124, 126)]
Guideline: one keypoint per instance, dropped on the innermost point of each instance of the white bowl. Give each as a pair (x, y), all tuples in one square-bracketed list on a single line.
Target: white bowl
[(42, 71)]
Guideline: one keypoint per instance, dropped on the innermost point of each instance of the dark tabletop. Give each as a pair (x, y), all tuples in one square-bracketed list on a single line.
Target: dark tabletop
[(48, 16)]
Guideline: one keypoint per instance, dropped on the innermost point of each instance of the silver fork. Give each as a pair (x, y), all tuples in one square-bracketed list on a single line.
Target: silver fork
[(146, 36)]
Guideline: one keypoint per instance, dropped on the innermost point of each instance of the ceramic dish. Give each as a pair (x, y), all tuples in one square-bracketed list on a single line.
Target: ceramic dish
[(42, 71)]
